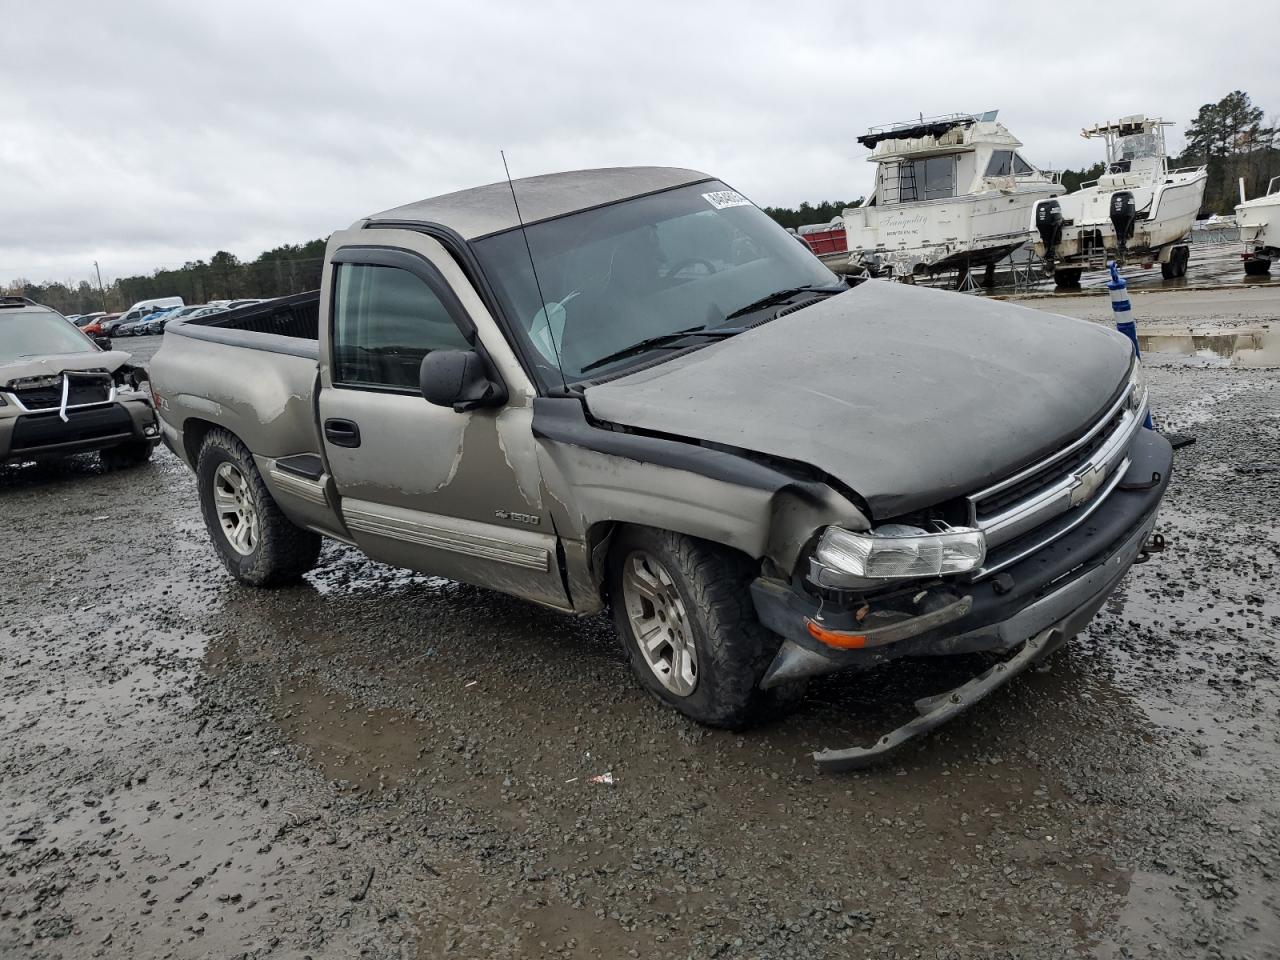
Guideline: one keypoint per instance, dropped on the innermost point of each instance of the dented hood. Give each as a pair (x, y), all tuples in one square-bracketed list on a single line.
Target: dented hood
[(51, 365), (909, 396)]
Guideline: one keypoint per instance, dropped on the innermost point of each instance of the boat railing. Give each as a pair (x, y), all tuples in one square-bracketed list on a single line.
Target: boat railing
[(922, 121), (1196, 169)]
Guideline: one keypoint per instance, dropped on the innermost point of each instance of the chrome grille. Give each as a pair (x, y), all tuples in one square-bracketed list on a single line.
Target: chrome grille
[(1038, 505)]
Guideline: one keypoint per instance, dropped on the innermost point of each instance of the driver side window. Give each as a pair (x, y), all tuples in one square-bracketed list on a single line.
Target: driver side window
[(385, 321)]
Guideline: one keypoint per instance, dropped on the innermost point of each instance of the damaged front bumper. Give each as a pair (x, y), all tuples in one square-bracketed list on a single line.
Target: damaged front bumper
[(1034, 605), (44, 434)]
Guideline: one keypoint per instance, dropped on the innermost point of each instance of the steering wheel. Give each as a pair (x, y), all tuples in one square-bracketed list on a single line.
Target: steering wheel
[(688, 262)]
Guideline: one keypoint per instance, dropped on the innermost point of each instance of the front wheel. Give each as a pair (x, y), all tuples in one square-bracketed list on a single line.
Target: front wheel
[(683, 611), (255, 541)]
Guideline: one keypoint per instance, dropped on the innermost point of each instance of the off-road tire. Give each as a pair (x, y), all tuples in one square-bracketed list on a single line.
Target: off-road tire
[(284, 551), (1257, 267), (734, 649), (128, 454), (1067, 278)]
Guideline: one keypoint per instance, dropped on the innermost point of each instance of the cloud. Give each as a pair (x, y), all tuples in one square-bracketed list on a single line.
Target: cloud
[(147, 134)]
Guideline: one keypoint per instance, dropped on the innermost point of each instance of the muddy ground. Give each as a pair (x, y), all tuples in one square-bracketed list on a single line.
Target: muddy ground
[(386, 765)]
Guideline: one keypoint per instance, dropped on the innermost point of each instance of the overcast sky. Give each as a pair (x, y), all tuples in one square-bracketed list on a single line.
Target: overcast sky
[(146, 134)]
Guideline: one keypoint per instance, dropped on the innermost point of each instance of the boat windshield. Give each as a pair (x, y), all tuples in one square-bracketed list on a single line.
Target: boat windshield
[(645, 269), (1136, 146)]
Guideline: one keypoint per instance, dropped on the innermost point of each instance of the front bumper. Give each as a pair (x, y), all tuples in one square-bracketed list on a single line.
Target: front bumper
[(31, 436), (1060, 586)]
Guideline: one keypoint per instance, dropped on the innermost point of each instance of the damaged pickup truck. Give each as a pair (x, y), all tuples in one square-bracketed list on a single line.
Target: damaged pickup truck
[(647, 397), (62, 393)]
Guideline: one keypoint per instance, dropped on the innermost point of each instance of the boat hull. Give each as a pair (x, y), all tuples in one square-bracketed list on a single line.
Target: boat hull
[(1259, 223), (932, 236), (1167, 211)]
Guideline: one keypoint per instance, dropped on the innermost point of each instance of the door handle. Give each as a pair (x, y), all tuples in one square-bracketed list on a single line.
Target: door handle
[(342, 433)]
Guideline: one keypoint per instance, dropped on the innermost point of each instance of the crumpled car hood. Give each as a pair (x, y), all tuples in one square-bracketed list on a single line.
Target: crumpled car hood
[(53, 364), (908, 396)]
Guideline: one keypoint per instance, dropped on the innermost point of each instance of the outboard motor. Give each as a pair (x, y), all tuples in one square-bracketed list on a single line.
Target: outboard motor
[(1124, 211), (1049, 225)]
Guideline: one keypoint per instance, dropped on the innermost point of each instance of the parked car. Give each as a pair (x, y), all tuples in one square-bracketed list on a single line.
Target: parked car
[(148, 324), (684, 417), (62, 393), (142, 325), (97, 327), (157, 321), (206, 311), (141, 309)]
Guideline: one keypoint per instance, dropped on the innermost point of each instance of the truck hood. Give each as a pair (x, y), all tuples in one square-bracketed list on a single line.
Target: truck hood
[(908, 396), (50, 365)]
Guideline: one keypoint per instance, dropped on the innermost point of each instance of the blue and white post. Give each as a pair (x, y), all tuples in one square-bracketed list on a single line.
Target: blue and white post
[(1124, 316)]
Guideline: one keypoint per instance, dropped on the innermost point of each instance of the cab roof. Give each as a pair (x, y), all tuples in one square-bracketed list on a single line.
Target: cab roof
[(482, 211)]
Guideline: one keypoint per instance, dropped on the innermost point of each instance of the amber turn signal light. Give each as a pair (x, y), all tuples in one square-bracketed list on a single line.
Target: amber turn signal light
[(834, 638)]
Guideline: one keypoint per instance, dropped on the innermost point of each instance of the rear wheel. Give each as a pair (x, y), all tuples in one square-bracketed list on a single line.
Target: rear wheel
[(1068, 277), (126, 454), (1257, 267), (256, 542), (1177, 265), (683, 611)]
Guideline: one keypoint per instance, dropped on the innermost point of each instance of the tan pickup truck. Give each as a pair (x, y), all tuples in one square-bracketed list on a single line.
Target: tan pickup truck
[(637, 392)]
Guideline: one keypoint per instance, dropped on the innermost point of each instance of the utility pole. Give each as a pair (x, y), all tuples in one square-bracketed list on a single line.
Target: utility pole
[(101, 291)]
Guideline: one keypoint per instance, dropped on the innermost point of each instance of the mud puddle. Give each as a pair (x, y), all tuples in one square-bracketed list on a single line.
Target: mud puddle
[(1243, 348)]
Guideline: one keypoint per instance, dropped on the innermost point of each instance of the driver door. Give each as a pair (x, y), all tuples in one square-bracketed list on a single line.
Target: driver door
[(423, 486)]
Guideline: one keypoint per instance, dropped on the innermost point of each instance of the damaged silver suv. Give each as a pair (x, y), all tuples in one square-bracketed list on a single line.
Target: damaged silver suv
[(63, 393), (635, 391)]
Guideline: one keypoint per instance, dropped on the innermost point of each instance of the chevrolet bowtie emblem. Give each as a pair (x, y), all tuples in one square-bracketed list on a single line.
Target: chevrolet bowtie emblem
[(1086, 484)]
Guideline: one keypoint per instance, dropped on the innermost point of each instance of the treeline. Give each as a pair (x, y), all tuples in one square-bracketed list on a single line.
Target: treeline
[(292, 268), (808, 213), (1230, 139)]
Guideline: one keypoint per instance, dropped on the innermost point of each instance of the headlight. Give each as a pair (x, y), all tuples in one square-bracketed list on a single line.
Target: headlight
[(894, 551), (1136, 403)]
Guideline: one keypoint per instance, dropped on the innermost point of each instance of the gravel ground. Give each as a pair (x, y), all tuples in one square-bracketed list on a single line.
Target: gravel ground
[(380, 764)]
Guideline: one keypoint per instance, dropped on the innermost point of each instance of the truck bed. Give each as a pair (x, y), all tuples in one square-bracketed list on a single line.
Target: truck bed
[(252, 370), (297, 316)]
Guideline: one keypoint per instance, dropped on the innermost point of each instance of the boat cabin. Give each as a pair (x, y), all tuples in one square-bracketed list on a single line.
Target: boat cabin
[(943, 158)]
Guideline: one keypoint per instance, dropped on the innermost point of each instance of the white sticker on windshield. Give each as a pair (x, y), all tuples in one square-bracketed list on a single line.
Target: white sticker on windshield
[(726, 198)]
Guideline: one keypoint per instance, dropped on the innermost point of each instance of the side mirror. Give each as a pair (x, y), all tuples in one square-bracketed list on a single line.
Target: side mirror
[(458, 379), (103, 342)]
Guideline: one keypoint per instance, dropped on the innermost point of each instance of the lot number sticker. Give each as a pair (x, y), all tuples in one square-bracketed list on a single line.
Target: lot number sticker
[(720, 199)]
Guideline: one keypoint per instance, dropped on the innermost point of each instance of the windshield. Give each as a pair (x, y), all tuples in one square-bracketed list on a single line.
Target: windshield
[(34, 334), (1136, 146), (643, 268)]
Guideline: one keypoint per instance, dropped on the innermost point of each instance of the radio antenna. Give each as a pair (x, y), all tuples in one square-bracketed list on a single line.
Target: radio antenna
[(546, 314)]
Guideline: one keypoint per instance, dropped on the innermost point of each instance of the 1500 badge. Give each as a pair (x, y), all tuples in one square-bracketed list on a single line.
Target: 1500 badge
[(529, 518)]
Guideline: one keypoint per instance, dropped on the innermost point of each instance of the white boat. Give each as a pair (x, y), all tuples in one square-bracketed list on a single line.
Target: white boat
[(951, 193), (1138, 209), (1259, 223)]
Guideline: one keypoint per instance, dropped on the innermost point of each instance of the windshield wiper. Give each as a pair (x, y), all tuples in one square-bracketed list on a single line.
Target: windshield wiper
[(662, 340), (779, 295)]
